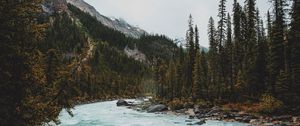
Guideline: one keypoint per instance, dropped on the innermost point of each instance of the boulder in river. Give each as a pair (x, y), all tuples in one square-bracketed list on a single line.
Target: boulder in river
[(201, 122), (157, 108), (122, 103)]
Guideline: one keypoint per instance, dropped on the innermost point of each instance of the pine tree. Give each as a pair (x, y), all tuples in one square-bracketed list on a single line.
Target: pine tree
[(237, 40), (221, 42), (229, 57), (204, 76), (261, 59), (196, 68), (213, 56), (180, 73), (276, 62), (191, 56), (294, 37), (250, 47), (196, 90)]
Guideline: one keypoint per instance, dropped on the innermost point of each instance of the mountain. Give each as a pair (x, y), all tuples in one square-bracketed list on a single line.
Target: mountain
[(182, 42), (117, 24)]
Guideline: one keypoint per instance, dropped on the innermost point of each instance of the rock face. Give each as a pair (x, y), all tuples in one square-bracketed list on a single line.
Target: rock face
[(117, 24), (157, 108), (51, 6), (122, 103), (135, 53)]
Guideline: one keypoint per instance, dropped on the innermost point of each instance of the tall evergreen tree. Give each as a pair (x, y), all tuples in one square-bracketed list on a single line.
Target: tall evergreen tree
[(276, 63), (229, 57), (294, 37), (204, 85), (261, 58), (196, 87), (237, 40), (221, 42), (250, 47), (196, 90), (213, 57), (191, 55)]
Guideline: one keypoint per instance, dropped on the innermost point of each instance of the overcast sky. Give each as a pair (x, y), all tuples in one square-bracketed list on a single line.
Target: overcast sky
[(167, 17)]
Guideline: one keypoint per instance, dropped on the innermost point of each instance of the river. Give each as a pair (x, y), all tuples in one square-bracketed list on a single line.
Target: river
[(108, 114)]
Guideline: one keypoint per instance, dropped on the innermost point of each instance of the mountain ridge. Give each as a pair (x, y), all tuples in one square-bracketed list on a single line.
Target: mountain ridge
[(117, 24)]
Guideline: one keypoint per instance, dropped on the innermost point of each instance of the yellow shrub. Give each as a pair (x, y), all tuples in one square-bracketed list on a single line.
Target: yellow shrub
[(176, 104), (269, 104)]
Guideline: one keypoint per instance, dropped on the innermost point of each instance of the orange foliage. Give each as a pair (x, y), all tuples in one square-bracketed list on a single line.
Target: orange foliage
[(246, 107)]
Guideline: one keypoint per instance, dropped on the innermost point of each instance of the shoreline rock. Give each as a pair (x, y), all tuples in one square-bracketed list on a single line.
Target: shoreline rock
[(157, 108), (216, 113), (122, 103)]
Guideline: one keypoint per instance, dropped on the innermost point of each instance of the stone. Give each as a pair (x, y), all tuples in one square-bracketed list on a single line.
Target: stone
[(253, 121), (296, 119), (191, 117), (268, 124), (188, 120), (157, 108), (122, 103), (190, 112), (247, 119), (284, 117), (199, 116), (201, 122)]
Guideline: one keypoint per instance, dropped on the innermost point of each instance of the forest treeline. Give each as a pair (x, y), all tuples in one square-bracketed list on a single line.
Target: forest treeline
[(247, 63)]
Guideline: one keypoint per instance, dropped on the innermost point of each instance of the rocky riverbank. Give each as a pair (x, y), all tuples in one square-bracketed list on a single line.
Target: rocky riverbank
[(214, 113)]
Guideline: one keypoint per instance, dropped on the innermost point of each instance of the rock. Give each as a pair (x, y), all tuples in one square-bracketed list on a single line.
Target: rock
[(253, 121), (188, 120), (191, 117), (296, 119), (157, 108), (247, 119), (288, 124), (268, 124), (201, 122), (284, 117), (239, 119), (180, 110), (213, 110), (190, 112), (122, 103), (241, 113), (138, 109), (199, 116)]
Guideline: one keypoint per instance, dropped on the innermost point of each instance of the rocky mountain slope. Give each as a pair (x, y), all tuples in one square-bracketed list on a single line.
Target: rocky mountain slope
[(117, 24)]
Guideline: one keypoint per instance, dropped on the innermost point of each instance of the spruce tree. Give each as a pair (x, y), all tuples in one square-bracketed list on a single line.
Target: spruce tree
[(250, 47), (276, 63), (294, 37), (221, 42), (213, 65), (196, 90), (237, 40), (229, 57), (204, 76), (191, 56)]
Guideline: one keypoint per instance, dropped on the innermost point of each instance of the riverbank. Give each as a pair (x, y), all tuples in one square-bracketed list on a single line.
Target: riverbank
[(107, 113), (219, 113)]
